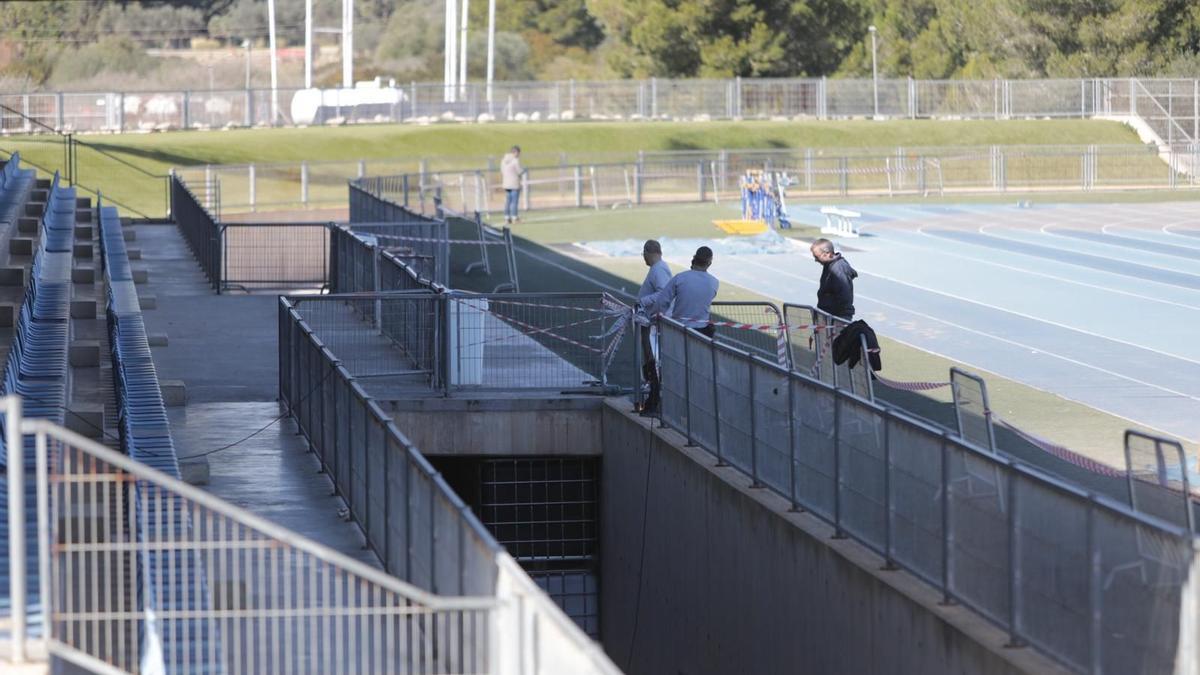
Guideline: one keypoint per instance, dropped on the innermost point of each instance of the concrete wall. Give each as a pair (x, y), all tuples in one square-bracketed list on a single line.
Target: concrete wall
[(500, 427), (723, 579)]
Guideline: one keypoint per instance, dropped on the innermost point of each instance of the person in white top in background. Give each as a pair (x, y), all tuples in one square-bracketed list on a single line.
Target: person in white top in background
[(656, 279), (510, 177)]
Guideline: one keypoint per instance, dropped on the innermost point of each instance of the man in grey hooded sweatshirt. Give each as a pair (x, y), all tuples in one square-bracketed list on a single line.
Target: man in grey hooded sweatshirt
[(836, 292)]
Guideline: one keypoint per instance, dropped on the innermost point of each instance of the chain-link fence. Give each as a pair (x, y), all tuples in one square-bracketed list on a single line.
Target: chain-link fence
[(705, 176), (654, 98)]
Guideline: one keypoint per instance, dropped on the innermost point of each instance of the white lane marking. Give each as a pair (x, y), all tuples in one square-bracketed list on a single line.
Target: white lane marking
[(1030, 272), (993, 337)]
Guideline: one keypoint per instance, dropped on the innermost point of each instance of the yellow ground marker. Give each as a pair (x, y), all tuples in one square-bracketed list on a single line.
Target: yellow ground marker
[(741, 226)]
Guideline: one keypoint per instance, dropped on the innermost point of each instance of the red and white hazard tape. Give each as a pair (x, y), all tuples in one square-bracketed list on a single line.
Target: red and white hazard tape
[(1063, 453), (616, 309), (435, 240), (534, 330), (910, 386)]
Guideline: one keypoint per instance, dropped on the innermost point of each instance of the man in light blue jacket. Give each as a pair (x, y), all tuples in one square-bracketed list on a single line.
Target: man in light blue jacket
[(689, 294), (656, 279)]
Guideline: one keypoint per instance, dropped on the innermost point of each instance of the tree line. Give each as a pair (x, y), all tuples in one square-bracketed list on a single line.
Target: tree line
[(559, 39)]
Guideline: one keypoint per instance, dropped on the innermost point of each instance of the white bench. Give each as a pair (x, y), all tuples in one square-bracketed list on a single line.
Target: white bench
[(840, 222)]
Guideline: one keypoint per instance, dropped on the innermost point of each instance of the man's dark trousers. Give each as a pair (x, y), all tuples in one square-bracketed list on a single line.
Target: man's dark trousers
[(650, 373)]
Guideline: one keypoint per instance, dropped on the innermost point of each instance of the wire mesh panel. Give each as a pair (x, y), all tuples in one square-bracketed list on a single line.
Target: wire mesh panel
[(215, 589), (1054, 568), (772, 98), (916, 497), (735, 408), (275, 255), (814, 419), (1141, 577), (758, 328), (701, 394), (389, 339), (420, 244), (959, 98), (1159, 479), (522, 341), (861, 481), (971, 410), (672, 360), (978, 532), (772, 426)]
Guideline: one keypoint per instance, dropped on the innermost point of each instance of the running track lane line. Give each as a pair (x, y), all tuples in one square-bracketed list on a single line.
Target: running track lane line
[(993, 337)]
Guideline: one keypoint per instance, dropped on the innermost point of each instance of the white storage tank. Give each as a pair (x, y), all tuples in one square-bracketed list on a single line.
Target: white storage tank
[(367, 100)]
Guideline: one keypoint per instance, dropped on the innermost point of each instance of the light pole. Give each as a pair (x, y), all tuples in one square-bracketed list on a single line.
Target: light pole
[(874, 71), (491, 51)]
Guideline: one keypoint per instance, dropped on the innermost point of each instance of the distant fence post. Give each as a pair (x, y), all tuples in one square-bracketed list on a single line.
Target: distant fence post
[(638, 171), (58, 113), (251, 179), (304, 183), (185, 113)]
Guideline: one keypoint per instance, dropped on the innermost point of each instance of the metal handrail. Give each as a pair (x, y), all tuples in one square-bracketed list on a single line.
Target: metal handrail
[(39, 427), (941, 442)]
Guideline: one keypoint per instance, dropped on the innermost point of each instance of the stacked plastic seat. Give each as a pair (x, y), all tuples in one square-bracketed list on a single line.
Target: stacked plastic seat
[(37, 368), (171, 578)]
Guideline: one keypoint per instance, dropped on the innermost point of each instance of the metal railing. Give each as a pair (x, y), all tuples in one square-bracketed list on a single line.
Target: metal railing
[(199, 228), (274, 255), (654, 98), (1084, 578), (280, 603), (420, 530), (449, 246), (588, 181), (415, 343)]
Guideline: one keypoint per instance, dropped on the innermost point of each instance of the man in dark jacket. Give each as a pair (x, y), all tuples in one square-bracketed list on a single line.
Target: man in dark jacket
[(836, 293)]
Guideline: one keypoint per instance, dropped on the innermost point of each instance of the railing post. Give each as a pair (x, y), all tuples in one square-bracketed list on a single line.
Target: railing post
[(1095, 594), (687, 388), (16, 525), (754, 481), (888, 562), (837, 466), (445, 303), (1014, 564), (42, 475), (638, 172), (792, 443), (304, 183), (947, 599), (716, 405)]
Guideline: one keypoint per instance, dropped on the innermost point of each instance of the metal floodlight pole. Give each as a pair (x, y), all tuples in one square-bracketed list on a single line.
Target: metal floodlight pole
[(308, 43), (491, 50), (347, 44), (462, 51), (274, 62), (874, 70), (451, 50), (248, 45)]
